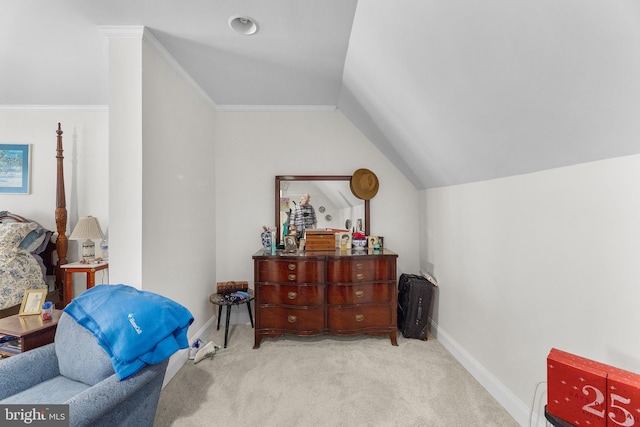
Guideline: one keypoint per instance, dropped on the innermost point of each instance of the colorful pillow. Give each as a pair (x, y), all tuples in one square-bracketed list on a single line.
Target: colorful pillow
[(36, 241)]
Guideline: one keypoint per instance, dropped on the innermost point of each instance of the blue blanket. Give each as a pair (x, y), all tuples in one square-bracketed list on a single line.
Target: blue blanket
[(135, 328)]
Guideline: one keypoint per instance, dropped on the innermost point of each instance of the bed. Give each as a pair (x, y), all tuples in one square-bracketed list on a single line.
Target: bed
[(31, 255)]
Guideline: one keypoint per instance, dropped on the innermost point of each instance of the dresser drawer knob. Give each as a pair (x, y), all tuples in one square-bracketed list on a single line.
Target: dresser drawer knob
[(292, 295), (359, 266), (359, 276), (292, 277), (359, 317), (291, 267), (292, 319), (359, 294)]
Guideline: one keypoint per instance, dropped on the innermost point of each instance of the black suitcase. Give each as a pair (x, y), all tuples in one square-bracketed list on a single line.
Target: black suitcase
[(414, 299)]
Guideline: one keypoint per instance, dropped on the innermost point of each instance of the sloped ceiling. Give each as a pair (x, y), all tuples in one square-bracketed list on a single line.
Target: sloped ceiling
[(461, 91), (451, 91)]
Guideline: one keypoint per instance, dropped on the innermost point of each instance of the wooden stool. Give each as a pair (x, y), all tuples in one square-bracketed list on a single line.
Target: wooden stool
[(218, 299)]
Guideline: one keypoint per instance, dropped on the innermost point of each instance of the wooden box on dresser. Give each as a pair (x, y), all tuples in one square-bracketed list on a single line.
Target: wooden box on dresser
[(325, 292)]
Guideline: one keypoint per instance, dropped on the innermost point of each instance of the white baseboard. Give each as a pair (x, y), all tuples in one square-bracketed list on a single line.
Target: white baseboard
[(176, 361), (514, 406), (179, 358)]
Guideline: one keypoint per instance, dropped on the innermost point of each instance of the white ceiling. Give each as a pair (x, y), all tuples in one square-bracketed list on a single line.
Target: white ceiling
[(53, 52), (451, 91)]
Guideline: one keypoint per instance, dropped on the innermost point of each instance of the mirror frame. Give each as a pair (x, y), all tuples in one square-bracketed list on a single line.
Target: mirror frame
[(280, 178)]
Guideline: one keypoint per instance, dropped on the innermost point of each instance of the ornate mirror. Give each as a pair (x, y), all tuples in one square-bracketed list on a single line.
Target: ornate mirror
[(340, 208)]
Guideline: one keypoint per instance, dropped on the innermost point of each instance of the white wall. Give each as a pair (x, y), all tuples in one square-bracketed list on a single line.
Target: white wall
[(178, 190), (84, 140), (536, 261), (163, 194), (125, 155), (86, 167), (252, 148)]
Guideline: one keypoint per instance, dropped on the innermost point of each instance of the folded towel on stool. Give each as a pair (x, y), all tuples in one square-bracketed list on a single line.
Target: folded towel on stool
[(236, 297)]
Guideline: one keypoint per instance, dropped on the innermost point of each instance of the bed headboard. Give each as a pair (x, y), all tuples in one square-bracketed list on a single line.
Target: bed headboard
[(61, 214)]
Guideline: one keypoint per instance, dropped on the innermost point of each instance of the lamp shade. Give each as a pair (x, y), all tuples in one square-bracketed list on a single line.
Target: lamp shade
[(88, 229)]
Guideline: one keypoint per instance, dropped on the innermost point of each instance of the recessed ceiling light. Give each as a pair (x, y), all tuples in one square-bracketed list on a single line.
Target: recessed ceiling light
[(243, 25)]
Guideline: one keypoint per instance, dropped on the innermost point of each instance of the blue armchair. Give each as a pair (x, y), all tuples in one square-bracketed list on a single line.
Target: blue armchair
[(75, 370)]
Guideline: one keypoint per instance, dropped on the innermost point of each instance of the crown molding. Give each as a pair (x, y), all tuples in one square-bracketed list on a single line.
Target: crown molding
[(63, 108), (143, 33), (122, 31), (276, 108)]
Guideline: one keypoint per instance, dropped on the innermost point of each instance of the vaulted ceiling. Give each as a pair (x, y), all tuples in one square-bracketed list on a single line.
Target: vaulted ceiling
[(451, 91)]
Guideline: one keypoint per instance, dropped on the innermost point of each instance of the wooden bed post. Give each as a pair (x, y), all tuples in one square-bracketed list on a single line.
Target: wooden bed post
[(61, 217)]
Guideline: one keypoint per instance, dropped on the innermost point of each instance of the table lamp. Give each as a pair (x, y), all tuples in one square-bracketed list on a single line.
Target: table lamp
[(87, 228)]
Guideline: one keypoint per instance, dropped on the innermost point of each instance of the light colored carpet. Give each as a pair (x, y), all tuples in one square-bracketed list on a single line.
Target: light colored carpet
[(327, 381)]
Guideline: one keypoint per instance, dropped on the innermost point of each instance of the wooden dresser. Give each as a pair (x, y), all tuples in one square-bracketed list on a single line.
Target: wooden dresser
[(325, 292)]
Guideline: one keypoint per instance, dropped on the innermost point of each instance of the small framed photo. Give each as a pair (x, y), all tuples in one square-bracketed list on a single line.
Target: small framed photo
[(372, 241), (343, 240), (290, 243), (32, 301)]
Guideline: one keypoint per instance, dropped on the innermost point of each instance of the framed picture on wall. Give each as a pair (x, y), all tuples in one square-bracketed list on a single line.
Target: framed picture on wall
[(14, 168)]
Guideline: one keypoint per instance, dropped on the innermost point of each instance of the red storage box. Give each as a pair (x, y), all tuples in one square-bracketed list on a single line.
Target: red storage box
[(582, 391), (575, 390), (623, 398)]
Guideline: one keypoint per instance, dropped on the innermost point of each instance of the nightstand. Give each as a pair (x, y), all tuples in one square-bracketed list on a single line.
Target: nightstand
[(78, 267), (30, 330)]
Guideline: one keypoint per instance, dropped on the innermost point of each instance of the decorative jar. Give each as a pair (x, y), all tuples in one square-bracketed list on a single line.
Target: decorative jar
[(359, 244), (266, 237)]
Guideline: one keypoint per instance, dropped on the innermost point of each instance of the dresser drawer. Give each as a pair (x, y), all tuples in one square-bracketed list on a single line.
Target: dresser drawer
[(360, 270), (318, 292), (358, 318), (359, 293), (293, 271), (276, 293), (293, 319)]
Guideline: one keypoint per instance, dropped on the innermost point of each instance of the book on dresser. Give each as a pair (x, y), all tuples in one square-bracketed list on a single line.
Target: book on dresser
[(336, 292)]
